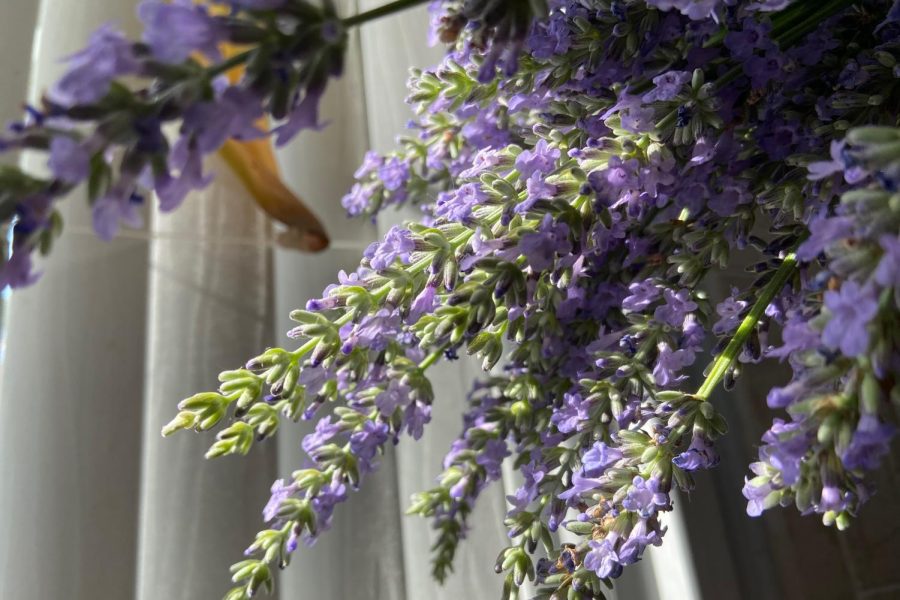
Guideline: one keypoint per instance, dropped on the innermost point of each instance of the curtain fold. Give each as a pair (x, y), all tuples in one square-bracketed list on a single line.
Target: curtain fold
[(70, 403), (208, 310)]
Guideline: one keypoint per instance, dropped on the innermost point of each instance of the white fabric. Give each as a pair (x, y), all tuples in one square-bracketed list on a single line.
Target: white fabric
[(70, 405), (93, 503)]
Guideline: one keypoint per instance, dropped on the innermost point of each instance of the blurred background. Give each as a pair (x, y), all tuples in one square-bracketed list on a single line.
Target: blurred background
[(94, 504)]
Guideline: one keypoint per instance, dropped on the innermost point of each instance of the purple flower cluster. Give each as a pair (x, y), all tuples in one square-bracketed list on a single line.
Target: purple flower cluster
[(573, 216)]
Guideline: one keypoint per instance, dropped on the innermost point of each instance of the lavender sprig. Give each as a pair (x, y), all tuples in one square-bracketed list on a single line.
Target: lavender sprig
[(573, 215)]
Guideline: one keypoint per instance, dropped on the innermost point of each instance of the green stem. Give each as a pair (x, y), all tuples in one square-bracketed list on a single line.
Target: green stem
[(226, 65), (789, 16), (381, 11), (351, 21), (810, 22), (787, 33), (305, 348), (432, 358), (725, 360)]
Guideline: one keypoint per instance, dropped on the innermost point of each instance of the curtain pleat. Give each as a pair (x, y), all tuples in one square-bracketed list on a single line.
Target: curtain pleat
[(209, 310)]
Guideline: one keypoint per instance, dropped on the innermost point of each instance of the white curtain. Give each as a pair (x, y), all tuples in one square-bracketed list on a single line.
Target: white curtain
[(93, 503)]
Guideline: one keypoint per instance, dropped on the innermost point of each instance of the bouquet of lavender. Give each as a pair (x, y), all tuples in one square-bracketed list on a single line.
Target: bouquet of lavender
[(582, 167)]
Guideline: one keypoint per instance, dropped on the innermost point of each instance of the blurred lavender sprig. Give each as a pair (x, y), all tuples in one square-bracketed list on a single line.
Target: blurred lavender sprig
[(103, 123)]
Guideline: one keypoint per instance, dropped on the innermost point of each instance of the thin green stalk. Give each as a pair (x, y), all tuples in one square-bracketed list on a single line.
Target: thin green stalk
[(788, 33), (432, 358), (811, 21), (226, 65), (381, 11), (725, 360), (781, 22), (351, 21), (305, 348), (787, 18)]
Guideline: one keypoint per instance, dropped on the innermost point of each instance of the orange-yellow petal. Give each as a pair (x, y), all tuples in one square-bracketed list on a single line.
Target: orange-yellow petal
[(254, 163)]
